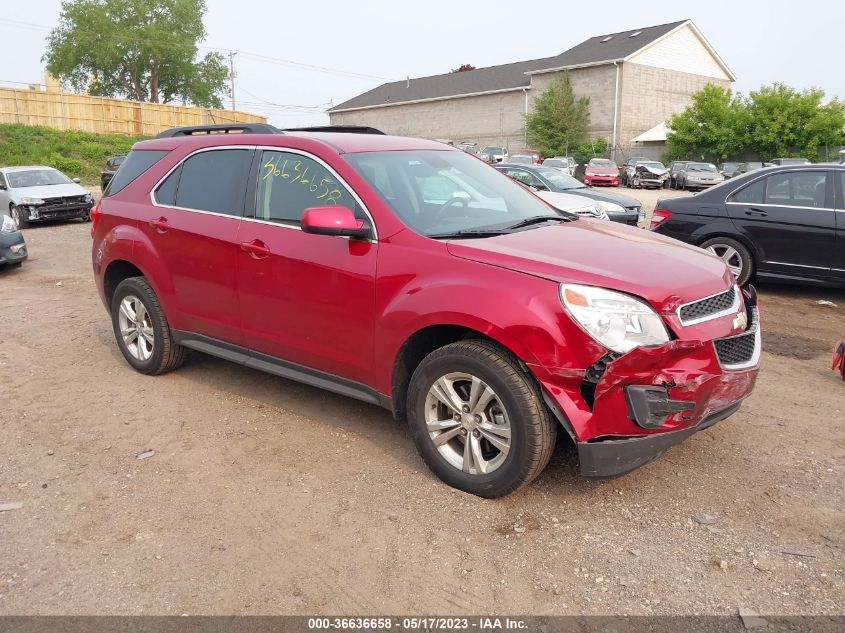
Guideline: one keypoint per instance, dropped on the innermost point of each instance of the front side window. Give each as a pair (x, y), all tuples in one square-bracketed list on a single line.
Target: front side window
[(289, 183), (797, 189), (524, 177), (212, 181)]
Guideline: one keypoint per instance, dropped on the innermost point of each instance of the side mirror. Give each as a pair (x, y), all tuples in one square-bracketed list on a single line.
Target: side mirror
[(76, 180), (333, 221)]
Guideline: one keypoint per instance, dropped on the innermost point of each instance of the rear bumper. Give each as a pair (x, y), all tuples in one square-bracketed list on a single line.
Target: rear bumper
[(613, 181)]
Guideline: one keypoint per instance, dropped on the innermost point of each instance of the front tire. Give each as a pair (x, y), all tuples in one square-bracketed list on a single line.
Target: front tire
[(141, 329), (478, 420), (737, 257), (19, 217)]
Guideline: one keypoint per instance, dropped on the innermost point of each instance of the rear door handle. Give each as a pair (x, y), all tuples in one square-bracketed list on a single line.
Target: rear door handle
[(757, 213), (160, 224), (256, 249)]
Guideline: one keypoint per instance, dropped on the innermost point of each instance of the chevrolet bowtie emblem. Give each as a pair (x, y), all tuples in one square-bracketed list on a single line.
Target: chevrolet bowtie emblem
[(741, 321)]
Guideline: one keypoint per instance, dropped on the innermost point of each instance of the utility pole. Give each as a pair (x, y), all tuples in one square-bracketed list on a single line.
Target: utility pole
[(232, 75)]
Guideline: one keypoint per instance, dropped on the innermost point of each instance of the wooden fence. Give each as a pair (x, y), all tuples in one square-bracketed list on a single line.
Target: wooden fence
[(70, 111)]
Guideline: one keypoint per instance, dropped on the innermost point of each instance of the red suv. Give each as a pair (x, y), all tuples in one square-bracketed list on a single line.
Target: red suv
[(411, 275)]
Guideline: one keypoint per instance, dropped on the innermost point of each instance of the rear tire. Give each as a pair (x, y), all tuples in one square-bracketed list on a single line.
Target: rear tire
[(735, 255), (500, 435), (141, 329)]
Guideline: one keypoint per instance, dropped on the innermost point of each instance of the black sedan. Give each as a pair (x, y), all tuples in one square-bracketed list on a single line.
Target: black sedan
[(12, 247), (779, 223), (619, 208)]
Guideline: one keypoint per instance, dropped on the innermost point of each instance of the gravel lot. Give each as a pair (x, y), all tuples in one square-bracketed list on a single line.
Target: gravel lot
[(264, 496)]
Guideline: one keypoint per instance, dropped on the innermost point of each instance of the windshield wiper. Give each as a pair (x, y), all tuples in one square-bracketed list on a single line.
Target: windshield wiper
[(469, 233), (537, 220)]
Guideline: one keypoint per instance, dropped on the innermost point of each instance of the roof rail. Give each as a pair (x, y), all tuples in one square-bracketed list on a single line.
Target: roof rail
[(347, 129), (220, 128)]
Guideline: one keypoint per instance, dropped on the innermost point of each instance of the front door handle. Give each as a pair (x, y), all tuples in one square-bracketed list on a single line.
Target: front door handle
[(757, 213), (160, 224), (256, 249)]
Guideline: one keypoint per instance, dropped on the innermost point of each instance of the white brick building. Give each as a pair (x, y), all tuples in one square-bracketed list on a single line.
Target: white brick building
[(635, 80)]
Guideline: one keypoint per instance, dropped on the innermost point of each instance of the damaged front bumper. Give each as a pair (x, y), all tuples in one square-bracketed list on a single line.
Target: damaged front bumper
[(625, 411)]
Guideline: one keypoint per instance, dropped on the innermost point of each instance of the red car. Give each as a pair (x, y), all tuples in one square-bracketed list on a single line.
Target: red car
[(411, 275), (601, 171)]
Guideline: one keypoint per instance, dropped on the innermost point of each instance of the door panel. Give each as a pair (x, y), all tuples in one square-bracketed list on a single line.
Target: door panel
[(789, 218), (839, 243), (199, 245), (308, 299)]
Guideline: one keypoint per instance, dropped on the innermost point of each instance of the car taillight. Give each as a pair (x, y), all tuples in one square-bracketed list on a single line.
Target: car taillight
[(95, 217), (659, 217)]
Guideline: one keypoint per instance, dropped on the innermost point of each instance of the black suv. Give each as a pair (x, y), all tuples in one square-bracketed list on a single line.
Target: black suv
[(109, 169), (779, 223)]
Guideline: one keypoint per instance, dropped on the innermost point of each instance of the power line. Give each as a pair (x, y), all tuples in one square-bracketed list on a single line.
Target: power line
[(256, 56)]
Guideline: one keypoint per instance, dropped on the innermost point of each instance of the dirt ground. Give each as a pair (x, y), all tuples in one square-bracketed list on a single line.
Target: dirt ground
[(265, 496)]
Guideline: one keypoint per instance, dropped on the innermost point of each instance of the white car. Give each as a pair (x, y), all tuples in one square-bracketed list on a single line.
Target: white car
[(35, 193), (579, 205)]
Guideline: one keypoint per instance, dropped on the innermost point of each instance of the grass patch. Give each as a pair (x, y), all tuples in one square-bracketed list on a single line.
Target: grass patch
[(77, 154)]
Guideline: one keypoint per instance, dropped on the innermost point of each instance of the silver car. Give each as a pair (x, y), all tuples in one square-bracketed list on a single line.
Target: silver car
[(36, 193), (698, 176)]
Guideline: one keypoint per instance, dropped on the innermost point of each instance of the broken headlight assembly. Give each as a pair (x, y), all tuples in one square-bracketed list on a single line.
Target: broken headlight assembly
[(31, 201), (618, 321)]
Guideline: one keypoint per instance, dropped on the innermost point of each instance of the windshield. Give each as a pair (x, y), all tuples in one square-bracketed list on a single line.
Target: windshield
[(560, 180), (602, 162), (496, 151), (730, 166), (446, 192), (652, 163), (36, 178), (701, 167)]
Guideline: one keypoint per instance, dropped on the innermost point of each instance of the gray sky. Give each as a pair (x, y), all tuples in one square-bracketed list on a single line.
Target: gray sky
[(798, 43)]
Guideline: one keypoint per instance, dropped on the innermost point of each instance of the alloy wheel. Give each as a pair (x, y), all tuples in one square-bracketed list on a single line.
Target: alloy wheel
[(136, 328), (729, 255), (467, 423)]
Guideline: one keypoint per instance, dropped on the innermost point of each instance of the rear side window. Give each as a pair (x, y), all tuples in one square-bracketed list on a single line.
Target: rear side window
[(797, 189), (135, 164), (166, 192), (213, 181), (752, 194)]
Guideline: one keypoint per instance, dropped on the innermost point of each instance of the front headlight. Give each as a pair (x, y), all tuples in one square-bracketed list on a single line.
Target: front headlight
[(610, 207), (618, 321), (26, 200), (8, 225), (89, 198)]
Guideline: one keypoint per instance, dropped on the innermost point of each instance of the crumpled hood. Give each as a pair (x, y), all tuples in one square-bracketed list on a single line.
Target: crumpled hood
[(664, 271), (652, 170), (48, 191)]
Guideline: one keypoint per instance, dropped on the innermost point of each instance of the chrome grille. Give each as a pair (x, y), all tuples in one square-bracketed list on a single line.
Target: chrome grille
[(708, 307)]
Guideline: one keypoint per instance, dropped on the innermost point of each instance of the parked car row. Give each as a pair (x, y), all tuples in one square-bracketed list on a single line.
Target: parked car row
[(618, 208)]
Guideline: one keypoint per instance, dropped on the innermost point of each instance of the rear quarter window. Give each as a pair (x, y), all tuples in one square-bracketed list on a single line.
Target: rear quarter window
[(135, 164)]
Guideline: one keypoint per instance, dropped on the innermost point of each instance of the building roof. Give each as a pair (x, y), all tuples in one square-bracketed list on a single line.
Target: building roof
[(655, 134), (602, 49)]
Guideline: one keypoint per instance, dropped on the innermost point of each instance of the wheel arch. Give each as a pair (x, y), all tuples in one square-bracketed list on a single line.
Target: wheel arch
[(424, 341), (116, 271)]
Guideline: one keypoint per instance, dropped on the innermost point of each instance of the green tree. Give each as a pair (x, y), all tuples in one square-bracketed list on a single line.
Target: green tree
[(597, 147), (786, 122), (713, 128), (559, 120), (142, 49)]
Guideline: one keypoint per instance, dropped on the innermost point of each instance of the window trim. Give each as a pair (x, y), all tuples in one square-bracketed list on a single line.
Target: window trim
[(248, 213), (161, 180), (728, 200)]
